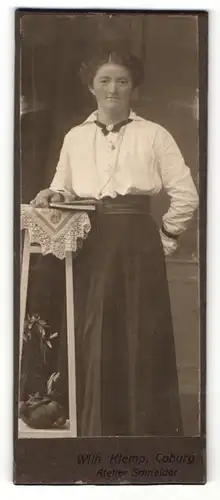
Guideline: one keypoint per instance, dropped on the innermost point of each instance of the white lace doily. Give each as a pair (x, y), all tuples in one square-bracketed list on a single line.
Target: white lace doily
[(56, 231)]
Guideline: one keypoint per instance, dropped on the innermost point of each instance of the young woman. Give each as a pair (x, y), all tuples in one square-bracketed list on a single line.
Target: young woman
[(126, 364)]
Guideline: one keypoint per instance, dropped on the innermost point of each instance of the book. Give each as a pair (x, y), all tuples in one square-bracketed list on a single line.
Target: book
[(82, 204)]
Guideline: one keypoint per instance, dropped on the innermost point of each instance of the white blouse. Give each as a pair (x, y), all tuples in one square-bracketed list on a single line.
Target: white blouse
[(139, 159)]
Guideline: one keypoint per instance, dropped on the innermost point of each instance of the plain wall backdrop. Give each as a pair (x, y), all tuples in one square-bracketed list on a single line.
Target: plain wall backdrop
[(53, 47)]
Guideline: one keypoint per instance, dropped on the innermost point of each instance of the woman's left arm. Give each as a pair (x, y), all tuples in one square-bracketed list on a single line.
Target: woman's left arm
[(178, 183)]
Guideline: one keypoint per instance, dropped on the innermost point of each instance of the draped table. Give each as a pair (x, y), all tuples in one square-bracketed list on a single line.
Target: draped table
[(57, 232)]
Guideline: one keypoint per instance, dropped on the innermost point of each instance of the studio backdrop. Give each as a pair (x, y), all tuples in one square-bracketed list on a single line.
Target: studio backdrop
[(53, 100)]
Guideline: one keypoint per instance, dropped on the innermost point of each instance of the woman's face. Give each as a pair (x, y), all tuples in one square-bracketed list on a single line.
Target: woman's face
[(112, 87)]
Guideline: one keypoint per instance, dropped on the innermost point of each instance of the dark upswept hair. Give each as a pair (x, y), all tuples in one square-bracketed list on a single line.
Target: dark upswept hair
[(114, 55)]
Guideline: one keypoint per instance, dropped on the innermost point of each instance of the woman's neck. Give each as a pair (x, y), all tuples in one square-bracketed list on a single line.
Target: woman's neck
[(111, 118)]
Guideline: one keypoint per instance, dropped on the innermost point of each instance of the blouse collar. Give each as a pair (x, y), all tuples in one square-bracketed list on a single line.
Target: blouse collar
[(91, 118)]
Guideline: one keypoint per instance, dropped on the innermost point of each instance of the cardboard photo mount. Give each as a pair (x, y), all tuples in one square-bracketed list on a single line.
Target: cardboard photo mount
[(55, 456)]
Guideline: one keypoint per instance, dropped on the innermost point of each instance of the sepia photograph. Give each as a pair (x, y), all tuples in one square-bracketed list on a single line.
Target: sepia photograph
[(108, 124)]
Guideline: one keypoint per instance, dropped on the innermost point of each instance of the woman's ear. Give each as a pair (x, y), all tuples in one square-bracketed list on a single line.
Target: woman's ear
[(91, 89)]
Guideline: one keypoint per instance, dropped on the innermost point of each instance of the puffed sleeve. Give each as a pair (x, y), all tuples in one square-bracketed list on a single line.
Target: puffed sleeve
[(178, 183), (62, 181)]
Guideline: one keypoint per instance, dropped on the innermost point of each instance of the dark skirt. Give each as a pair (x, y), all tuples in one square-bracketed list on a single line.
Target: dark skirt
[(126, 373)]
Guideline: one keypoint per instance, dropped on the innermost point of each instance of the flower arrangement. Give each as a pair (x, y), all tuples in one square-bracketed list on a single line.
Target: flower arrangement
[(35, 325), (39, 396)]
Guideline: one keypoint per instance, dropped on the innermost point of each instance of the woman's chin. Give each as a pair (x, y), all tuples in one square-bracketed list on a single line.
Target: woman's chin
[(112, 104)]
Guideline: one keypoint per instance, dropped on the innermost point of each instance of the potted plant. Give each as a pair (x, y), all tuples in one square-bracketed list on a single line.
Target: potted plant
[(39, 405)]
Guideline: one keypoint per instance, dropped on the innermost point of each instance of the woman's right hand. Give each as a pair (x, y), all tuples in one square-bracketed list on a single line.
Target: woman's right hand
[(45, 197)]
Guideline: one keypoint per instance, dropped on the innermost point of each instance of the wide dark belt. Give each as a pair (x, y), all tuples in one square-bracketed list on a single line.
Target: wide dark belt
[(128, 204)]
